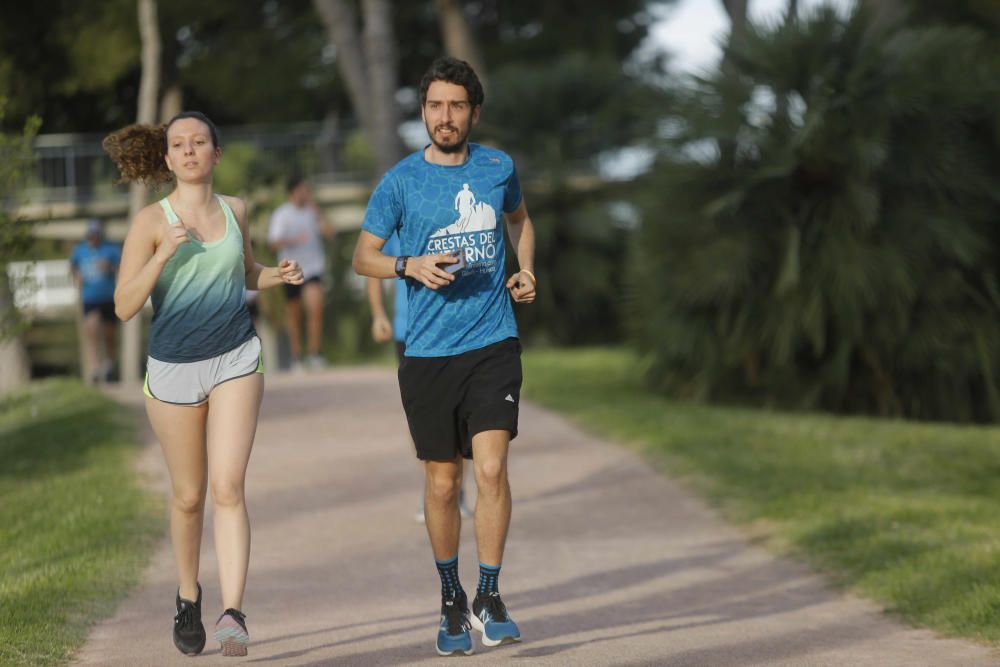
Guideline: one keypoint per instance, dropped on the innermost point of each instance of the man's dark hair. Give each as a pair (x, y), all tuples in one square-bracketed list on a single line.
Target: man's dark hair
[(294, 181), (453, 71)]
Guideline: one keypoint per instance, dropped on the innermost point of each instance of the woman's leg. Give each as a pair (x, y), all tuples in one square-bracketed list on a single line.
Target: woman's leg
[(181, 432), (232, 423)]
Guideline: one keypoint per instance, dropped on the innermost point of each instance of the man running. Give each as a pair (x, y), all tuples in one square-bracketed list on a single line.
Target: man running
[(460, 378)]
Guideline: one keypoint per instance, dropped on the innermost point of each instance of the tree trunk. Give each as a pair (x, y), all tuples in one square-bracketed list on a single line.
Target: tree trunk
[(380, 54), (15, 368), (457, 37), (342, 29), (369, 70), (884, 12), (792, 13), (737, 12), (791, 16), (149, 92), (172, 102)]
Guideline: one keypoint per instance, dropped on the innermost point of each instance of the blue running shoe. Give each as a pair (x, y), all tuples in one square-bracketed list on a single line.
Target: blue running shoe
[(453, 636), (489, 616)]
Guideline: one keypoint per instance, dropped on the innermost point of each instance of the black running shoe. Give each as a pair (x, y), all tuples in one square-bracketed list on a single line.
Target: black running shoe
[(231, 632), (189, 633)]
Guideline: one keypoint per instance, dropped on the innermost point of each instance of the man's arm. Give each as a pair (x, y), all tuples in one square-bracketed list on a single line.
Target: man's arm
[(369, 260), (381, 326), (522, 236)]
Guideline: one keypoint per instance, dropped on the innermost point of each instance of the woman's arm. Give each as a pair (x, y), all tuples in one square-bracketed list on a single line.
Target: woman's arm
[(258, 276), (149, 244)]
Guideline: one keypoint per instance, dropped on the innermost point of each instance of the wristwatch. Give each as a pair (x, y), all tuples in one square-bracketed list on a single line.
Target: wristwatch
[(401, 265)]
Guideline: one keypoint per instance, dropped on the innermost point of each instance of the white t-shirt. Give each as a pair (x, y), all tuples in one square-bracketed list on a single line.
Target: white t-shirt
[(290, 222)]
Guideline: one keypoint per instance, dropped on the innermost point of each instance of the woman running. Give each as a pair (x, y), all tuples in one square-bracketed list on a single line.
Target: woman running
[(191, 253)]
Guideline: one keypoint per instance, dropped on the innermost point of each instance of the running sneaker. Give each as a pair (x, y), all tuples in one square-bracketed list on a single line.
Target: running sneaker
[(189, 633), (453, 634), (314, 362), (489, 616), (231, 632)]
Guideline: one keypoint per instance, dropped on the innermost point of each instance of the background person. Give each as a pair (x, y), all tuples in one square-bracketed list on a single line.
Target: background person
[(295, 232), (94, 263)]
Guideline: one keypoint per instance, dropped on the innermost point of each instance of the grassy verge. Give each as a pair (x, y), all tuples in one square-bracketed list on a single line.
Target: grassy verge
[(907, 513), (75, 528)]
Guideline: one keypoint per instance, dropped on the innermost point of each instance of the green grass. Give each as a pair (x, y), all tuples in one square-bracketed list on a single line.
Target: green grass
[(75, 527), (906, 513)]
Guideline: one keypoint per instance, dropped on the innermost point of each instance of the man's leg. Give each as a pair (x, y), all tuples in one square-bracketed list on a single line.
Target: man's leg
[(91, 344), (493, 504), (493, 509), (109, 329), (443, 481)]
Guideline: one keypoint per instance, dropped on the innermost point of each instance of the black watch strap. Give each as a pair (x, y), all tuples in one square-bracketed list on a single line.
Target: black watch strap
[(401, 265)]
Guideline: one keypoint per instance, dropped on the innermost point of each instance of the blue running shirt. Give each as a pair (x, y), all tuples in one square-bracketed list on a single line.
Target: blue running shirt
[(437, 209), (96, 266)]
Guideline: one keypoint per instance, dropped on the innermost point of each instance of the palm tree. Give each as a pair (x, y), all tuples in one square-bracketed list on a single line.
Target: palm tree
[(844, 257)]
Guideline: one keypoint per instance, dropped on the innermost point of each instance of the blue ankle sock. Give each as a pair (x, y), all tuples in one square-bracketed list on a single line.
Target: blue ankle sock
[(489, 579), (448, 571)]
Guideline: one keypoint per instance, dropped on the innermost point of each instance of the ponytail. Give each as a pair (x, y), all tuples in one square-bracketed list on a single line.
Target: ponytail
[(138, 151)]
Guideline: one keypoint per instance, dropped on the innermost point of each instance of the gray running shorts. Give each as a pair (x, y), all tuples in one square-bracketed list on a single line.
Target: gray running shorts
[(191, 383)]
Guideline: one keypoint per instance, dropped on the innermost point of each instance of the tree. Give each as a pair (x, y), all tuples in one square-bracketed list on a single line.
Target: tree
[(845, 258), (16, 159), (71, 62), (368, 65), (149, 90), (459, 42)]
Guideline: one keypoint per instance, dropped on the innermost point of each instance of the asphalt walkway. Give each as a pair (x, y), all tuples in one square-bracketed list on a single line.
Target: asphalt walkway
[(608, 563)]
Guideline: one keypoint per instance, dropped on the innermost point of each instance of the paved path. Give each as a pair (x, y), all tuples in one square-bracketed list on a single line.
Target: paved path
[(607, 564)]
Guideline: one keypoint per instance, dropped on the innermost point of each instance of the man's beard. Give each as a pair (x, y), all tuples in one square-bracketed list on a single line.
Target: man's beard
[(461, 139)]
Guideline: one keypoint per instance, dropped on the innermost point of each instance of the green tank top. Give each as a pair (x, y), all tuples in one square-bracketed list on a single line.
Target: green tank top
[(199, 309)]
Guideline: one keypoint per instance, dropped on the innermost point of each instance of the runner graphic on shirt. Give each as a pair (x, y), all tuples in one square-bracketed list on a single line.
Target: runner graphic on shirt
[(472, 216)]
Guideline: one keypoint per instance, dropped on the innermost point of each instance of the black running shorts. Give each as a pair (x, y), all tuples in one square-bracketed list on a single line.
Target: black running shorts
[(294, 292), (450, 399)]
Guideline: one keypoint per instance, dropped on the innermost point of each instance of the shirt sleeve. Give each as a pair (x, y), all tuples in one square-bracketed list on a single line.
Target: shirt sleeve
[(512, 193), (115, 254), (74, 258), (385, 209)]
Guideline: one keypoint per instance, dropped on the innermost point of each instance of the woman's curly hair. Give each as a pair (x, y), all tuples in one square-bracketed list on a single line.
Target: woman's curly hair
[(138, 151)]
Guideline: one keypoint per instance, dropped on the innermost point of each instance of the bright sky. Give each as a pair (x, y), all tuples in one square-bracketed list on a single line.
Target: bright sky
[(691, 29)]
